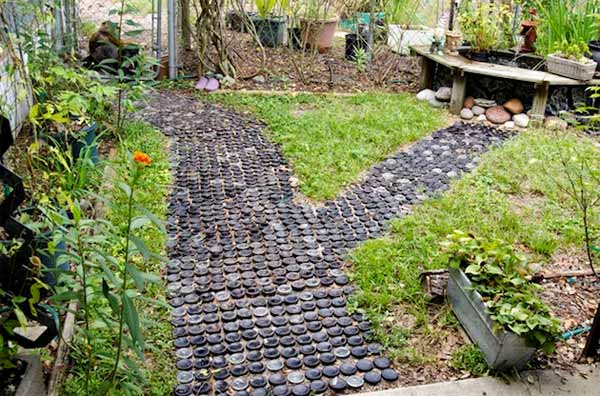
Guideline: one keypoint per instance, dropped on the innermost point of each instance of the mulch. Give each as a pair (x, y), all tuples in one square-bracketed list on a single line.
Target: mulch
[(289, 69)]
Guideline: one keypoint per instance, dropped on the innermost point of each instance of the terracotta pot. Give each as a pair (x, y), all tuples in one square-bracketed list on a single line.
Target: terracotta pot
[(318, 34), (453, 41)]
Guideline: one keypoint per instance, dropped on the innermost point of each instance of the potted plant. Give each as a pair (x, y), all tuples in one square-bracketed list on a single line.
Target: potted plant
[(483, 28), (405, 26), (495, 302), (565, 28), (318, 25), (270, 28), (570, 61)]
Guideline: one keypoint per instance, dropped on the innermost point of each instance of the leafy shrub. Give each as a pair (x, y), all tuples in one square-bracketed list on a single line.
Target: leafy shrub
[(498, 273)]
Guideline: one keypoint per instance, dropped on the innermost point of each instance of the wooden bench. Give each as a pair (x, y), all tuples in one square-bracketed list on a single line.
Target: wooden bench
[(461, 67)]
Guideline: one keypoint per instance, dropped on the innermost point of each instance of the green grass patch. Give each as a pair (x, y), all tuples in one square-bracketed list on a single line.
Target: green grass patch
[(329, 139), (511, 196)]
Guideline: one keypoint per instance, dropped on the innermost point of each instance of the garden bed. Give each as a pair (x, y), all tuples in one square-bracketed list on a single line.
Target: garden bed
[(280, 71)]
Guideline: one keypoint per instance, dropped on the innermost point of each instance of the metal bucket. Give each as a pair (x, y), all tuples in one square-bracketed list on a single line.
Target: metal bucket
[(502, 349)]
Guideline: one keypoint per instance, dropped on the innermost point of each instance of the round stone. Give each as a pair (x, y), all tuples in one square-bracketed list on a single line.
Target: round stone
[(337, 384), (381, 363), (364, 365), (295, 377), (185, 377), (341, 352), (274, 365), (330, 371), (239, 384), (318, 387), (389, 375), (355, 381), (258, 382), (348, 369), (313, 374), (281, 390), (277, 379), (373, 377), (300, 390)]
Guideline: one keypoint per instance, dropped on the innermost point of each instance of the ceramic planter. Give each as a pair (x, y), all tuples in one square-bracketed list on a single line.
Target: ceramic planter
[(270, 31), (570, 68), (318, 34), (502, 349), (400, 39), (453, 41)]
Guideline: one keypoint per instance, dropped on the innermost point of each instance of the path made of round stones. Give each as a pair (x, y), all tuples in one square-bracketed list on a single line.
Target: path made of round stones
[(256, 281)]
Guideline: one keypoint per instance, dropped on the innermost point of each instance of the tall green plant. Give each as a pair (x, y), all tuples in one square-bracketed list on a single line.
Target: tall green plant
[(567, 26), (483, 25), (406, 13), (265, 7)]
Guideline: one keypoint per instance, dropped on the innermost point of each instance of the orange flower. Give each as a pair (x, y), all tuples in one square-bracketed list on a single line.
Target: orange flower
[(142, 158)]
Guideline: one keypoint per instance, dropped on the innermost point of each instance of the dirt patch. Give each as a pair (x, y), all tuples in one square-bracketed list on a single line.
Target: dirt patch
[(292, 70)]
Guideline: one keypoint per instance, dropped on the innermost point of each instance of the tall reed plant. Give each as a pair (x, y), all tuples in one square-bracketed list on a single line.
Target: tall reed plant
[(567, 24)]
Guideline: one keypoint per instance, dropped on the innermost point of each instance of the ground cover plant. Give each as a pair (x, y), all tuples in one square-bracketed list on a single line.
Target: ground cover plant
[(511, 196), (330, 140)]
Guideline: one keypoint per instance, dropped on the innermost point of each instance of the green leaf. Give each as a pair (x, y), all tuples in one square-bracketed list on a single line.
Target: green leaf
[(139, 222), (473, 269), (125, 188), (141, 247), (112, 299), (133, 322), (141, 278)]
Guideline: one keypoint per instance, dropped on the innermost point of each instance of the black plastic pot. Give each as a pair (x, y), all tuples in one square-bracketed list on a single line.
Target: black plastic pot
[(478, 56), (87, 139), (270, 31), (238, 21), (595, 50), (77, 144), (354, 42), (295, 37)]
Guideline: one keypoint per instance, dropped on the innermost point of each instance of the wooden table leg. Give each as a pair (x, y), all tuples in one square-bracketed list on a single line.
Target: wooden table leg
[(427, 70), (540, 101), (459, 90)]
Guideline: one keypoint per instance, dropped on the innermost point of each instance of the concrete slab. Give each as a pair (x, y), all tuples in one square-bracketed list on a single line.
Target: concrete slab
[(585, 382)]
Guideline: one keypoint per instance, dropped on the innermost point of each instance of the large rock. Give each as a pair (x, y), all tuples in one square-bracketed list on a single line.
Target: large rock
[(485, 103), (469, 102), (444, 94), (478, 110), (466, 114), (521, 120), (555, 123), (497, 115), (515, 106), (436, 103), (426, 95)]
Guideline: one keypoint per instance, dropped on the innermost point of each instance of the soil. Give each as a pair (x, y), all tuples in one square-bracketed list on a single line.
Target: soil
[(294, 70)]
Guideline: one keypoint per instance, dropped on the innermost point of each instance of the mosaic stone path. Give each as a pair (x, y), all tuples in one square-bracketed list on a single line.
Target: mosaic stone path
[(256, 281)]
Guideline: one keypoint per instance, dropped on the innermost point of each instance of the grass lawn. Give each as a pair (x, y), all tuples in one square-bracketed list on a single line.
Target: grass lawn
[(512, 196), (330, 140)]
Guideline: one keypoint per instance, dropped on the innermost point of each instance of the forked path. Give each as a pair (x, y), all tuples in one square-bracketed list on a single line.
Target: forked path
[(256, 281)]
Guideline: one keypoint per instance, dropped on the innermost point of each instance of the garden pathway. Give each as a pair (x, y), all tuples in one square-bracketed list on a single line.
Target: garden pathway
[(256, 280)]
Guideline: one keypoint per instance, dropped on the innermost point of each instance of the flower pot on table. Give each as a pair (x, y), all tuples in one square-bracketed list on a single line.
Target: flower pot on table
[(502, 349), (570, 68)]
